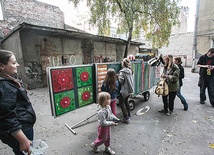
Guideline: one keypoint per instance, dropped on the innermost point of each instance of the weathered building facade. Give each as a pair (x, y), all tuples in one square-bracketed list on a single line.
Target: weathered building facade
[(36, 33), (38, 47), (204, 30), (205, 26), (33, 12), (181, 45)]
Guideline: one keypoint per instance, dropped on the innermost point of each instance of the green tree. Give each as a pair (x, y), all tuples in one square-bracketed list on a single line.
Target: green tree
[(154, 17)]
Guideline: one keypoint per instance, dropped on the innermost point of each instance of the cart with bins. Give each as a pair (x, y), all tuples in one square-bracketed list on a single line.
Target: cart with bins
[(145, 78)]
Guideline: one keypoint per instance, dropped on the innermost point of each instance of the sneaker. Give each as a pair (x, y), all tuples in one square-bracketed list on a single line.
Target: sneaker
[(108, 150), (202, 102), (162, 111), (126, 120), (95, 149), (169, 113)]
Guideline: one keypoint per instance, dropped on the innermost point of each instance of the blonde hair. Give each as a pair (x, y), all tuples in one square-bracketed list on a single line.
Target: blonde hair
[(102, 97), (170, 61)]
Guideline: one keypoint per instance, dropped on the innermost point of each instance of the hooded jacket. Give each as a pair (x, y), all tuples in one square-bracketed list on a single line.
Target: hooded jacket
[(16, 111), (125, 78)]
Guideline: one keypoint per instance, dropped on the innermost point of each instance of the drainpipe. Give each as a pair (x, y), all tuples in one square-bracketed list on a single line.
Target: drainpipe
[(195, 39)]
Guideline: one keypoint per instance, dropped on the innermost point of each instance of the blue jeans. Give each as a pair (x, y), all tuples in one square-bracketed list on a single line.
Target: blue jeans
[(13, 143), (180, 96)]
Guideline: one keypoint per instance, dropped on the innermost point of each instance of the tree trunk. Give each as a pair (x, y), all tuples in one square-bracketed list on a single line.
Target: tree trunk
[(128, 43)]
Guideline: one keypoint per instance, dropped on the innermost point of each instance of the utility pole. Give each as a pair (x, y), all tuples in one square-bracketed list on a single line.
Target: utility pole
[(195, 52)]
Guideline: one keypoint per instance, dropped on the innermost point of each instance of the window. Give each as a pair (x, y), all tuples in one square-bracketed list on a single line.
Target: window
[(212, 43), (1, 12)]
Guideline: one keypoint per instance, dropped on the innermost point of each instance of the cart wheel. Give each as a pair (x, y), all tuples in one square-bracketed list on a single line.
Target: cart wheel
[(146, 95), (131, 104)]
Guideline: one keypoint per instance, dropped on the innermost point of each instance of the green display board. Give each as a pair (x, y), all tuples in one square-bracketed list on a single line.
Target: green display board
[(84, 76), (85, 95), (64, 102)]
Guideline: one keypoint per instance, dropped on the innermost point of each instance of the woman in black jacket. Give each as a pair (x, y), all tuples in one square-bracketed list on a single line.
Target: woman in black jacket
[(17, 116), (178, 62)]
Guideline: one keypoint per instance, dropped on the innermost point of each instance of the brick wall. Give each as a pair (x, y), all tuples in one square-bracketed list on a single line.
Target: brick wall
[(29, 11), (180, 45)]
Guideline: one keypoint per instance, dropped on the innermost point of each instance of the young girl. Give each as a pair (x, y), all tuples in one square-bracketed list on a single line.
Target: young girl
[(17, 116), (106, 119), (110, 85)]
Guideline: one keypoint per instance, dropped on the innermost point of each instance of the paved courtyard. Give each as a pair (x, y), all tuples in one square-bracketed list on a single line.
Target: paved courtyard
[(184, 133)]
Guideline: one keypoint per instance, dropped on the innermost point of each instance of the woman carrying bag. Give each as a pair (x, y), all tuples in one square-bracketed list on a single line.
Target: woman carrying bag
[(171, 74)]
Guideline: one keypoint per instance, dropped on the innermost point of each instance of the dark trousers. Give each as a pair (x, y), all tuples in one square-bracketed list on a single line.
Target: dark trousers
[(168, 101), (13, 143), (209, 84), (124, 105)]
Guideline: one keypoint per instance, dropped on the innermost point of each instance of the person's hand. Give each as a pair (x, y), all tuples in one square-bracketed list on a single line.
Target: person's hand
[(115, 124), (24, 142), (164, 75), (210, 67), (131, 95), (25, 146), (116, 121)]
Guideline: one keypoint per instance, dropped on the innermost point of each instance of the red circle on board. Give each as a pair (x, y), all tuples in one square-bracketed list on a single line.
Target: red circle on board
[(65, 102), (84, 76), (62, 80), (85, 96)]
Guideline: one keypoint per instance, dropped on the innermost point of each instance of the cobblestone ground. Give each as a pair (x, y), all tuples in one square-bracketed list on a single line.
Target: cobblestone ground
[(185, 132)]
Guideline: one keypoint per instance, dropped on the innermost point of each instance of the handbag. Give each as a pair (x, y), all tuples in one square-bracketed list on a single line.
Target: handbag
[(162, 88)]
